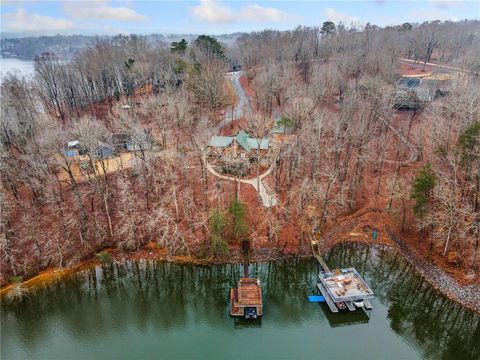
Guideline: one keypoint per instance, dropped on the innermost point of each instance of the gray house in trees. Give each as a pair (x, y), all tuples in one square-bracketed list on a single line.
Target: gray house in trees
[(104, 151)]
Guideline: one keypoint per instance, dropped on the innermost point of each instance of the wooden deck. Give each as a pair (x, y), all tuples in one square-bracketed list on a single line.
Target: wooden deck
[(247, 294), (345, 285)]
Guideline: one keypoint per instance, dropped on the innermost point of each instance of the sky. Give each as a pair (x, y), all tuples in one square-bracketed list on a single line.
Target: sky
[(216, 16)]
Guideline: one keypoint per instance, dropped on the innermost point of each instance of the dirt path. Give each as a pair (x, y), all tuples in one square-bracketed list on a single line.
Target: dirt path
[(413, 150), (445, 67)]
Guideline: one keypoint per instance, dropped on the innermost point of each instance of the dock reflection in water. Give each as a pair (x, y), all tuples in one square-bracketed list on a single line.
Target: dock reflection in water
[(148, 309)]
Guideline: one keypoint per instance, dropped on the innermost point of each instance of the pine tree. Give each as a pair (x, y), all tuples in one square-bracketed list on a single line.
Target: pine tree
[(238, 220), (216, 225), (422, 190), (179, 47), (210, 47)]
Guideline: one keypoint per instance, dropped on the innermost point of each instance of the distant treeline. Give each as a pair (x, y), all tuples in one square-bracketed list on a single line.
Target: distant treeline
[(65, 46)]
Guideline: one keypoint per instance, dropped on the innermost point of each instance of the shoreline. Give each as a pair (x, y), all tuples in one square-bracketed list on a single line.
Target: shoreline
[(467, 296)]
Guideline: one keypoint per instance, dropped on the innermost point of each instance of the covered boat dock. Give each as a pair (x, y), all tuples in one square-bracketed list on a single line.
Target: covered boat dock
[(342, 288)]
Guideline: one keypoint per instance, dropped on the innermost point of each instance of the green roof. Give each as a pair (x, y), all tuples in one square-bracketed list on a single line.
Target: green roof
[(255, 142), (246, 142), (221, 141), (242, 138)]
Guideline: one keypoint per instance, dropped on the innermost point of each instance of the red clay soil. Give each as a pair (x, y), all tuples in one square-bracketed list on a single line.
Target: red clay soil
[(233, 127), (413, 69)]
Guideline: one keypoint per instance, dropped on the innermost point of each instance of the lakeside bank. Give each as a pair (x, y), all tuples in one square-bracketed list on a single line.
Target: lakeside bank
[(465, 295)]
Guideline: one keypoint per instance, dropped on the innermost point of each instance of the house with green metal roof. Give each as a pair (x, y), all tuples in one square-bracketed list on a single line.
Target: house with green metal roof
[(240, 145)]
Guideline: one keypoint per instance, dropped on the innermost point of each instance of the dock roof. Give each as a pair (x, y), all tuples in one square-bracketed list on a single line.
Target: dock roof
[(345, 284)]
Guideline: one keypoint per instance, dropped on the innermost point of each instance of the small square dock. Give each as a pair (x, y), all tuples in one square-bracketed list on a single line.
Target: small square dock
[(246, 299)]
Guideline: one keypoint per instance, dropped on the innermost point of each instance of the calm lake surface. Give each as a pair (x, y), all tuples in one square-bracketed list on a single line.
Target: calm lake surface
[(24, 67), (168, 311)]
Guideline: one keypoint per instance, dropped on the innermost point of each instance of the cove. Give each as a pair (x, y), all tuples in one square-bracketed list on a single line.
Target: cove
[(161, 310)]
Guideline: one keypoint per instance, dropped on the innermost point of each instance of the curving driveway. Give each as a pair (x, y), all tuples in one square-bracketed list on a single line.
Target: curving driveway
[(240, 110), (243, 106)]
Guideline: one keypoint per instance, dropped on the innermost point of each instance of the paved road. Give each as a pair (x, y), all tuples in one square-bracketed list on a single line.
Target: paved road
[(243, 107)]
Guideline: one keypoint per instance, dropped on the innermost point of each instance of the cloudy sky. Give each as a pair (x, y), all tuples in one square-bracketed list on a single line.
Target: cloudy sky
[(215, 16)]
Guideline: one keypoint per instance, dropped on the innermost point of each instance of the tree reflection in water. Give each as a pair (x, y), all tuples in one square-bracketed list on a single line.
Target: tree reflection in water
[(416, 311), (112, 298)]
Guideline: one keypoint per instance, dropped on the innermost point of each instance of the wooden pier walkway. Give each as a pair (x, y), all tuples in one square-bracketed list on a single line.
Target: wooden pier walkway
[(318, 255)]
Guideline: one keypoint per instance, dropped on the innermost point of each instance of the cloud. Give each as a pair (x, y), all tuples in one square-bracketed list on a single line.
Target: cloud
[(447, 3), (431, 15), (336, 17), (213, 12), (99, 9), (257, 13), (22, 21)]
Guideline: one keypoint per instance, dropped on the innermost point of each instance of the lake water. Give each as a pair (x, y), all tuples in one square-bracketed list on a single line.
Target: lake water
[(168, 311), (24, 67)]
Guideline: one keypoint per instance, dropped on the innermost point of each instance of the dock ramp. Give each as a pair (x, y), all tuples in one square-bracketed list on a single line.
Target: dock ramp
[(318, 255)]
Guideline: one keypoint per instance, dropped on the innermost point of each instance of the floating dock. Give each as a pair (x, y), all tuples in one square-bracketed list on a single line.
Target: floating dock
[(347, 286), (342, 288), (246, 299)]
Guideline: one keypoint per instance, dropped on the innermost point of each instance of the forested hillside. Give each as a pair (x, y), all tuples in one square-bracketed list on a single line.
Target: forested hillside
[(108, 150)]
